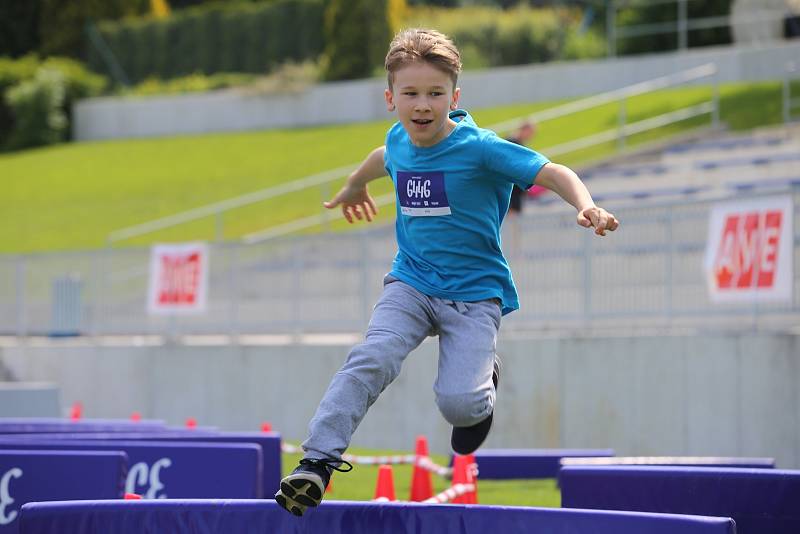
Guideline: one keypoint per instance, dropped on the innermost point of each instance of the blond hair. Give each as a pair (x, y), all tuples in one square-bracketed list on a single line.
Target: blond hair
[(418, 44)]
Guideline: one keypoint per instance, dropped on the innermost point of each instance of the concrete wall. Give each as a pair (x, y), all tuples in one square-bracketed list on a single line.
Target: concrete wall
[(696, 395), (358, 101), (29, 399)]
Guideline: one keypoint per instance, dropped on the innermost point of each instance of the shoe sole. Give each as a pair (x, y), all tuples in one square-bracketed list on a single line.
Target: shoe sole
[(290, 505), (299, 491)]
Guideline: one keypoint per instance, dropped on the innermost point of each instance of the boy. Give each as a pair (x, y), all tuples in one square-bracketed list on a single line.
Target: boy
[(449, 277)]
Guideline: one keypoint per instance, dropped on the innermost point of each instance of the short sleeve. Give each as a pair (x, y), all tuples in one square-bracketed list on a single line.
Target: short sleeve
[(519, 164)]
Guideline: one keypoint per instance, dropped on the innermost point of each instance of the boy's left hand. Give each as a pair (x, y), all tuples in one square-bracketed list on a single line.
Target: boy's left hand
[(598, 218)]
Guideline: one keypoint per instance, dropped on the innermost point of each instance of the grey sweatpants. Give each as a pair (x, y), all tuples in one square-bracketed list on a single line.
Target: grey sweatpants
[(402, 318)]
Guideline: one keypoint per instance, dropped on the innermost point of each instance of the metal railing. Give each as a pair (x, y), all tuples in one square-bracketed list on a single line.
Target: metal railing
[(621, 133), (681, 26), (648, 276)]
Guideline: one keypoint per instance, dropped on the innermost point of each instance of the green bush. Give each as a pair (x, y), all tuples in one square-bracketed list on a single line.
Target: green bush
[(190, 84), (218, 37), (37, 105), (491, 37), (77, 83)]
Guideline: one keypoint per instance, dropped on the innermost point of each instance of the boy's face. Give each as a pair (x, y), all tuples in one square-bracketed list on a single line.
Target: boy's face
[(423, 96)]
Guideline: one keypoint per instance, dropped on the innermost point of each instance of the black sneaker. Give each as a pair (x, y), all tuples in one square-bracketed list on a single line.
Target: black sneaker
[(467, 439), (305, 486)]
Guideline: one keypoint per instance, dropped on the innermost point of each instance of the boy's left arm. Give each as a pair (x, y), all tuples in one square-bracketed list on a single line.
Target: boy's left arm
[(563, 181)]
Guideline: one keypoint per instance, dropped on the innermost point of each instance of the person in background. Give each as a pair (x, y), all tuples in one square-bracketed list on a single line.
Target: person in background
[(522, 136)]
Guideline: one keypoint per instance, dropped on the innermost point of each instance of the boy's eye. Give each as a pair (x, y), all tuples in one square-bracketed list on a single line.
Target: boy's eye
[(410, 93), (436, 93)]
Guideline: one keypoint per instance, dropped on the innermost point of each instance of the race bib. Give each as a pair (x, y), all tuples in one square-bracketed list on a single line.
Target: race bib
[(422, 194)]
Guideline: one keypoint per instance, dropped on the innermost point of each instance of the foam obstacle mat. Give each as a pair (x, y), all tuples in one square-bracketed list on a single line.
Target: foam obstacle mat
[(761, 501), (337, 517)]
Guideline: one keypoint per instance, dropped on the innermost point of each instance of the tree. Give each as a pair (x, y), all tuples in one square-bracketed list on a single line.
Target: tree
[(356, 33), (19, 27), (62, 23)]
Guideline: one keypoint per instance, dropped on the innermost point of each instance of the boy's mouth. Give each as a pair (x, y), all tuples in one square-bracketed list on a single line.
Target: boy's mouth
[(422, 121)]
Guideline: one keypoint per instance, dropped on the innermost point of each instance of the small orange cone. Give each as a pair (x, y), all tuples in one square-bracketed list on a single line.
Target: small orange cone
[(462, 474), (136, 417), (76, 412), (384, 489), (132, 497), (421, 483), (266, 427), (191, 423), (329, 489), (472, 469)]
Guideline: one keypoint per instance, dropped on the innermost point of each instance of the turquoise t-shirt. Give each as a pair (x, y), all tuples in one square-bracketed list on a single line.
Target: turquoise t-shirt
[(451, 200)]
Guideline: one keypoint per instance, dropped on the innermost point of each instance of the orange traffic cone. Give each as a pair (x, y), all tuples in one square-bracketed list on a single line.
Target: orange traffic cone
[(384, 489), (329, 489), (266, 427), (136, 417), (132, 497), (472, 469), (191, 423), (76, 412), (421, 483), (462, 474)]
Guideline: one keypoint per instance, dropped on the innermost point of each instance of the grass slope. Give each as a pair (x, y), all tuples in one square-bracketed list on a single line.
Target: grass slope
[(72, 196)]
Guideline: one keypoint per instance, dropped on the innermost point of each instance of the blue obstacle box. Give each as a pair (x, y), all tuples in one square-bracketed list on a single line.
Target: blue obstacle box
[(27, 476), (676, 461), (28, 425), (528, 463), (332, 517), (761, 501), (159, 469), (270, 443)]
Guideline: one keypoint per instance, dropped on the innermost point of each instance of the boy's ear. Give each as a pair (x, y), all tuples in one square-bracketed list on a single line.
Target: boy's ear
[(454, 101), (387, 94)]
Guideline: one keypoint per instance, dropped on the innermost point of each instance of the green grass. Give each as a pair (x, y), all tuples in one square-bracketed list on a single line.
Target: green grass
[(73, 195), (359, 484)]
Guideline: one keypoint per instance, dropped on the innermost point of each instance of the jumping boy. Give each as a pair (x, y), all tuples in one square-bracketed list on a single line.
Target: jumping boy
[(449, 277)]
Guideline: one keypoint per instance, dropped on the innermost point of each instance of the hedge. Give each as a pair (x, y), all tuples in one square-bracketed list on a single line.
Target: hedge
[(220, 37)]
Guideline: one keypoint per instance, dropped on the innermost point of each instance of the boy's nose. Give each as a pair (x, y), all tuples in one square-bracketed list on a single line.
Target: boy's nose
[(422, 105)]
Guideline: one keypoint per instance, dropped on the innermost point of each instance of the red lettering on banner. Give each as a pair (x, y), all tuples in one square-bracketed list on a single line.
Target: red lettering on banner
[(748, 250), (180, 279)]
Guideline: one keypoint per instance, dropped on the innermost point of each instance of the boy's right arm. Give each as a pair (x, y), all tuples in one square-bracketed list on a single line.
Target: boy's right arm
[(353, 197)]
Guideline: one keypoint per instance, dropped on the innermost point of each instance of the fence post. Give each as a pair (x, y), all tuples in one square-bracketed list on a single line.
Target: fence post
[(233, 290), (670, 285), (365, 261), (611, 27), (683, 27), (20, 275), (296, 294), (587, 277)]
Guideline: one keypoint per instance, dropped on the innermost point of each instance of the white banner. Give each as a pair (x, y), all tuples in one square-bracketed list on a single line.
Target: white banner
[(178, 279), (750, 249)]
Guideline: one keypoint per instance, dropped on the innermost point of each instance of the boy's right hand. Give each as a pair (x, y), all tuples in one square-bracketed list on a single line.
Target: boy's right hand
[(355, 202)]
